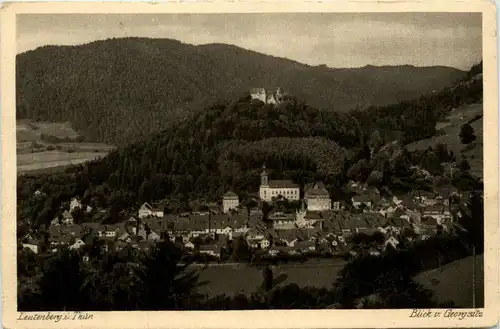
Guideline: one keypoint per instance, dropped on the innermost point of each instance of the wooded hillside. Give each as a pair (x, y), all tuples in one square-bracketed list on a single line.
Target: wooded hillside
[(119, 90)]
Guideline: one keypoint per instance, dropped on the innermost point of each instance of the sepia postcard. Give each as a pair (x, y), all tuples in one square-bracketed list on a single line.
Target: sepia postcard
[(250, 164)]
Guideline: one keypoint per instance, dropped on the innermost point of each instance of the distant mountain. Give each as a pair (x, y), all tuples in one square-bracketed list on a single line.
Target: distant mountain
[(119, 90)]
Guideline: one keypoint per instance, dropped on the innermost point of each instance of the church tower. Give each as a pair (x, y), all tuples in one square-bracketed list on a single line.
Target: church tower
[(264, 177)]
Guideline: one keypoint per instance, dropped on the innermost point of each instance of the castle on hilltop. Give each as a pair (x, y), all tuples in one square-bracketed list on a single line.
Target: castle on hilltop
[(266, 96)]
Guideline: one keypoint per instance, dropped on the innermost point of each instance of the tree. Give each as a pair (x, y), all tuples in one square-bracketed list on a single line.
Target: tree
[(241, 252), (267, 276), (464, 165), (472, 221), (168, 283), (62, 282), (77, 215), (467, 135)]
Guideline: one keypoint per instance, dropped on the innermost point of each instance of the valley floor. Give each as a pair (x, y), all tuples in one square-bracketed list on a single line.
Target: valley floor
[(234, 278)]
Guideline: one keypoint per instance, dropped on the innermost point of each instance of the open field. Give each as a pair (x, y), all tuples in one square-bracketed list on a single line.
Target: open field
[(449, 131), (28, 130), (48, 159), (35, 153), (453, 282), (242, 278)]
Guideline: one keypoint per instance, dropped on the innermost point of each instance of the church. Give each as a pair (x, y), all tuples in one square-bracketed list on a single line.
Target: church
[(274, 188)]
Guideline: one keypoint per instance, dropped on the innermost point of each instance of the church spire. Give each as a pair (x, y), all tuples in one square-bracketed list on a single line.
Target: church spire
[(264, 178)]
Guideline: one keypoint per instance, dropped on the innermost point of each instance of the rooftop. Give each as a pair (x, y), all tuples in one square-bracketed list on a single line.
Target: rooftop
[(316, 190), (230, 195), (282, 184)]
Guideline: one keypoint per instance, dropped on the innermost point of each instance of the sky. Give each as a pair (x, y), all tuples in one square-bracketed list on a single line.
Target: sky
[(334, 39)]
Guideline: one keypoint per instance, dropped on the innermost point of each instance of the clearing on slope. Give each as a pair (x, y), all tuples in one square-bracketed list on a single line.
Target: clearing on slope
[(448, 131), (454, 282)]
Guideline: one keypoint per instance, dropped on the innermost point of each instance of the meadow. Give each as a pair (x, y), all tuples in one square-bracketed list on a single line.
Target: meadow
[(449, 131), (454, 281), (243, 278), (35, 153)]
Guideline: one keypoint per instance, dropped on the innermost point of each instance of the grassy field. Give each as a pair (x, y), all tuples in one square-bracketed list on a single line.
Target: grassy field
[(449, 134), (42, 160), (28, 130), (35, 154), (453, 282), (241, 278)]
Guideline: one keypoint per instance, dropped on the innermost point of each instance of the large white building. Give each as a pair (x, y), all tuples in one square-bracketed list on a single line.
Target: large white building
[(230, 201), (317, 197), (270, 189)]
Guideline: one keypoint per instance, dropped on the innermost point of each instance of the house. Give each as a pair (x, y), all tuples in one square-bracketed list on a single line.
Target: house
[(283, 221), (273, 251), (230, 201), (145, 245), (33, 245), (288, 237), (424, 198), (64, 219), (125, 237), (305, 246), (74, 204), (336, 205), (77, 245), (238, 223), (307, 218), (210, 249), (219, 224), (383, 203), (147, 211), (317, 197), (361, 200), (71, 230), (264, 243), (189, 245), (395, 201), (437, 211), (111, 232), (429, 223), (391, 241), (270, 189), (153, 236), (255, 234), (38, 193), (198, 224)]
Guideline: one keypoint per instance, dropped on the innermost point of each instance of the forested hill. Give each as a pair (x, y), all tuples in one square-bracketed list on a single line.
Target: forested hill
[(224, 146), (118, 90)]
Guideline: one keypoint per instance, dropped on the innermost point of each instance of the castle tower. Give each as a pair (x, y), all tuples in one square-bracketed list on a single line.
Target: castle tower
[(264, 177), (279, 94)]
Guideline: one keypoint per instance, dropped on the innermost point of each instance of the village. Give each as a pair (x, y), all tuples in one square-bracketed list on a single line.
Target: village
[(368, 223)]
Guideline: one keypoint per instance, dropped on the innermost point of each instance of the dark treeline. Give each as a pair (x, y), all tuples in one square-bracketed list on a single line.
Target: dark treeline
[(157, 281)]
